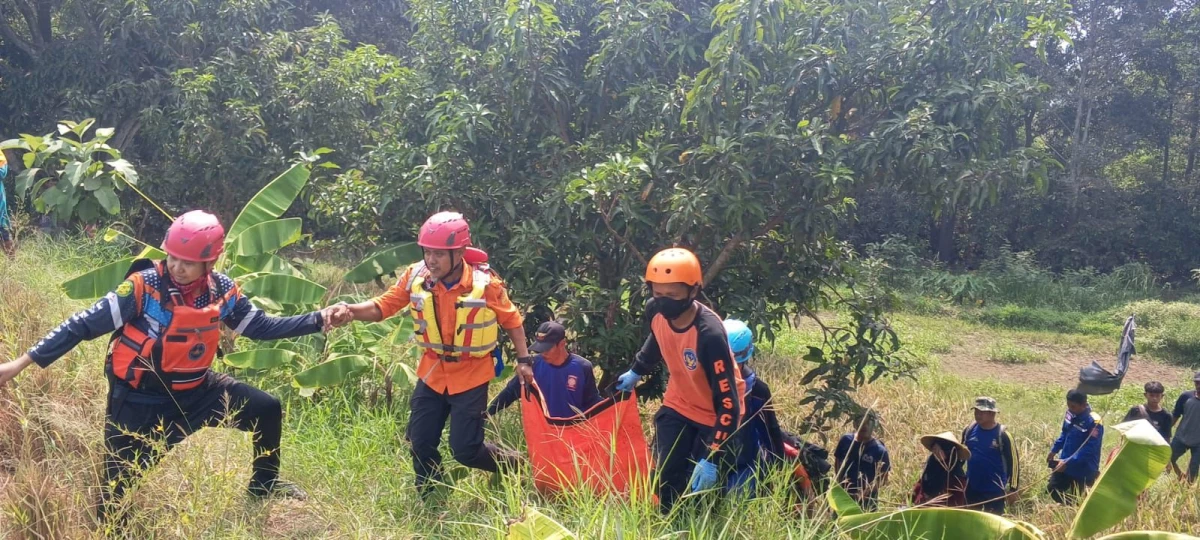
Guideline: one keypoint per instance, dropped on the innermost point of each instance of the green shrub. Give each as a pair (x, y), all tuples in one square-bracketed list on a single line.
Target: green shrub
[(1012, 353), (1015, 316), (1170, 330)]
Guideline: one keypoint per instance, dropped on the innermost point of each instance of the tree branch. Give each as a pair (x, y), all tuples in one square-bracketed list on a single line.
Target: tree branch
[(731, 246), (625, 241), (10, 36)]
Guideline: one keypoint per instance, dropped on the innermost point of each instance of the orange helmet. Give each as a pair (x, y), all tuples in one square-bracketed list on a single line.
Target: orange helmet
[(674, 265)]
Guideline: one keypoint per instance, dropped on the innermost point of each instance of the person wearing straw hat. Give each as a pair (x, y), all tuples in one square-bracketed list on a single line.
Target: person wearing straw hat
[(992, 471), (944, 480)]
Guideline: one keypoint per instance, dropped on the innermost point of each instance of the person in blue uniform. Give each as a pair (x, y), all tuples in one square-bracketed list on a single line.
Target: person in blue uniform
[(567, 381), (1075, 456)]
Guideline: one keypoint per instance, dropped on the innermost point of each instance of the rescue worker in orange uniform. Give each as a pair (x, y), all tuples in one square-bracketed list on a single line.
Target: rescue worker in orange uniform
[(704, 398), (458, 309), (165, 324)]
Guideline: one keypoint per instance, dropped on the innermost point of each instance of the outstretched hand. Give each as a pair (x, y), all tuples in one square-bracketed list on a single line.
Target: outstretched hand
[(10, 369), (336, 316)]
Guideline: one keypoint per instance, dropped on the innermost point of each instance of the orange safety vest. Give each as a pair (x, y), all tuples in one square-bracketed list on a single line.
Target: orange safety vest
[(476, 329), (176, 357)]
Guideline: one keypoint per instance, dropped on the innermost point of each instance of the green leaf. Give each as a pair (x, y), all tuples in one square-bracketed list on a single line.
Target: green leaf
[(336, 371), (125, 169), (284, 289), (935, 524), (104, 133), (267, 262), (150, 252), (108, 199), (14, 144), (272, 200), (269, 236), (98, 282), (74, 172), (841, 502), (1136, 466), (535, 525), (404, 374), (383, 262), (25, 181), (261, 358), (403, 332)]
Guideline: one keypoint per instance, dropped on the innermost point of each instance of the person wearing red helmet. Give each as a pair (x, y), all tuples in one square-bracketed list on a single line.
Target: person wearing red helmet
[(703, 404), (457, 309), (164, 322)]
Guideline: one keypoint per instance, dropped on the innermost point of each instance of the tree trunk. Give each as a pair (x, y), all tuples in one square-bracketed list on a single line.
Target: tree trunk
[(1166, 139), (1029, 115), (1192, 147), (941, 235)]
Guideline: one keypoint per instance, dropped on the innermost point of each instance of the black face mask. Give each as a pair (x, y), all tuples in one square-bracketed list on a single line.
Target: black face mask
[(672, 308)]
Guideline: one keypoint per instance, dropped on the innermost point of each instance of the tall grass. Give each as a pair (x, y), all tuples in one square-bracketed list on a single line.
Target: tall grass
[(351, 456)]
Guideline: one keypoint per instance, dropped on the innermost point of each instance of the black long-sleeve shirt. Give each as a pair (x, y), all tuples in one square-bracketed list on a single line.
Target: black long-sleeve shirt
[(706, 386), (121, 307)]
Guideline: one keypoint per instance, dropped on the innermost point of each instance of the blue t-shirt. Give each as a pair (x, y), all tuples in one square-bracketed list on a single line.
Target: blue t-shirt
[(861, 463), (569, 388), (990, 466)]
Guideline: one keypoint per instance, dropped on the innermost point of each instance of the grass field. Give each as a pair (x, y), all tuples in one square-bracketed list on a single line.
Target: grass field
[(352, 459)]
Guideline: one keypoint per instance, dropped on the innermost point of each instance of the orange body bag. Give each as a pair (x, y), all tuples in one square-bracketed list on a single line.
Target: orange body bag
[(603, 447)]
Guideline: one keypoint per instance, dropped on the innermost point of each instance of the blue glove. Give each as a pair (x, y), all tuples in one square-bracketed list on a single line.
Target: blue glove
[(704, 476), (627, 381)]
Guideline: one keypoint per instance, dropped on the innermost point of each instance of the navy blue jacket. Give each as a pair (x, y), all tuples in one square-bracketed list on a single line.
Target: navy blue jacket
[(1079, 444), (119, 308)]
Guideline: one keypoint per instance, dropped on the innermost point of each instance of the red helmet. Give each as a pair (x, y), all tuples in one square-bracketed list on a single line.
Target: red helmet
[(445, 230), (195, 236)]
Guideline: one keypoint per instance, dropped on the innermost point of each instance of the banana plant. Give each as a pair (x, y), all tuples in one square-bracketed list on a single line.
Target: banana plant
[(1139, 462), (250, 256)]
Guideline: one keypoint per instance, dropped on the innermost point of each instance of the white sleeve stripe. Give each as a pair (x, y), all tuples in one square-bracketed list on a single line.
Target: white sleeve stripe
[(246, 320), (114, 308)]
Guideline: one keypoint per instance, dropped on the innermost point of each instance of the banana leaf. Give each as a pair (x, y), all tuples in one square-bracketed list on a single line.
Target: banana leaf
[(535, 525), (272, 200), (268, 236), (261, 358), (334, 372), (1138, 463), (935, 524), (98, 282), (383, 262), (284, 289), (841, 502)]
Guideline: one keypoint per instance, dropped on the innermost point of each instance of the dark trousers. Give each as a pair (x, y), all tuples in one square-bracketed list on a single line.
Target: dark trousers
[(1177, 451), (992, 503), (677, 448), (428, 411), (1065, 489), (139, 427)]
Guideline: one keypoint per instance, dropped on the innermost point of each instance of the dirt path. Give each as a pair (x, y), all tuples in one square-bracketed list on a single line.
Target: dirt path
[(969, 358)]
